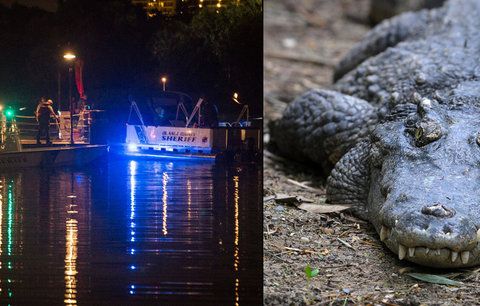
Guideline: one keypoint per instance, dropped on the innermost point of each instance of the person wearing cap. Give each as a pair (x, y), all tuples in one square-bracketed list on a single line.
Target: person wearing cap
[(43, 112)]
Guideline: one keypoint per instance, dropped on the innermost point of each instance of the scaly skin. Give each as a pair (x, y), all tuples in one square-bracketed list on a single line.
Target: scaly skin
[(402, 132)]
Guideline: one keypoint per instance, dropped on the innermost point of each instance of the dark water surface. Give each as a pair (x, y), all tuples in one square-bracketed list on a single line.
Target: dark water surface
[(131, 233)]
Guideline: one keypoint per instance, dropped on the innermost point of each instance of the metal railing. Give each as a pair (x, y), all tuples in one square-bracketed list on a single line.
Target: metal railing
[(59, 130)]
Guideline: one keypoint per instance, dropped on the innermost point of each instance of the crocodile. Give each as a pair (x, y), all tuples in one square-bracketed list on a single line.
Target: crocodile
[(398, 133)]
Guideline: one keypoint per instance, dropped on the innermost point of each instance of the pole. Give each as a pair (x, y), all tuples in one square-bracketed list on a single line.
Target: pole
[(59, 84), (70, 70), (163, 86)]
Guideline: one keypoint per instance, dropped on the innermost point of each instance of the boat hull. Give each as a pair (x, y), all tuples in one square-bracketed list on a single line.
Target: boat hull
[(122, 150), (52, 156)]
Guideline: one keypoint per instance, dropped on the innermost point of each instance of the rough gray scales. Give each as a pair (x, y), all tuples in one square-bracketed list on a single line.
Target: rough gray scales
[(383, 9), (401, 131)]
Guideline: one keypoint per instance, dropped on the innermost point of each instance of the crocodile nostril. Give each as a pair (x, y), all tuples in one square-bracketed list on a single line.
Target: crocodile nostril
[(438, 210), (447, 230)]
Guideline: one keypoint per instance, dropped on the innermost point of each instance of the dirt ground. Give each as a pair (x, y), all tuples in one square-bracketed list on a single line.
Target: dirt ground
[(303, 41)]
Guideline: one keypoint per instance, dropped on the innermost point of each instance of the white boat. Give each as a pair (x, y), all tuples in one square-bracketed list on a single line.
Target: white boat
[(170, 131)]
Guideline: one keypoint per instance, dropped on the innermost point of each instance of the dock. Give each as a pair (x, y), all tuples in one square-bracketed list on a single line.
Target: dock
[(43, 156)]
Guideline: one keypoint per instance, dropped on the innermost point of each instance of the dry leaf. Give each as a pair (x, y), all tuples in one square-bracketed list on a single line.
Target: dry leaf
[(435, 279), (328, 231), (290, 199), (323, 209)]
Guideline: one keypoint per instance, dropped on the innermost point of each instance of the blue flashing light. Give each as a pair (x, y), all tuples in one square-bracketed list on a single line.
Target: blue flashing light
[(132, 251), (132, 286), (132, 239), (131, 292), (132, 267), (132, 147)]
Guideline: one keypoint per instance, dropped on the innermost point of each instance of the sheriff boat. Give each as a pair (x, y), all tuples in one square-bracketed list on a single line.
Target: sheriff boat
[(163, 127)]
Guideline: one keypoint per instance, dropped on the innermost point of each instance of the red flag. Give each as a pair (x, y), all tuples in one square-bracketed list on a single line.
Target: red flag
[(79, 78)]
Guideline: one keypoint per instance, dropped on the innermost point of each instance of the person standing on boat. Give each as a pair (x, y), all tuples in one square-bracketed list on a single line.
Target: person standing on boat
[(209, 116), (43, 113), (3, 127)]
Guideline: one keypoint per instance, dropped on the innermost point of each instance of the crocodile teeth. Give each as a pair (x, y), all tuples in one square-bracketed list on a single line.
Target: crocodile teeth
[(478, 235), (411, 252), (464, 256), (402, 251), (454, 256), (427, 250), (383, 233), (437, 252)]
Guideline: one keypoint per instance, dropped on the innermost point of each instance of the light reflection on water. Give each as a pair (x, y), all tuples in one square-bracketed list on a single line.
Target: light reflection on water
[(135, 232)]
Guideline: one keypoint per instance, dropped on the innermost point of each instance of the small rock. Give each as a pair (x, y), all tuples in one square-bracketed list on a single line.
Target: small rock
[(346, 290), (305, 239), (279, 208), (289, 43)]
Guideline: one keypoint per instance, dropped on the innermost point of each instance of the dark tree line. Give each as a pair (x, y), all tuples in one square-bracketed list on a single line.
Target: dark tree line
[(208, 53)]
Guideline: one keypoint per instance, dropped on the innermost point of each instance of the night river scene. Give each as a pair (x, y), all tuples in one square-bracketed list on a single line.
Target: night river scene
[(130, 152)]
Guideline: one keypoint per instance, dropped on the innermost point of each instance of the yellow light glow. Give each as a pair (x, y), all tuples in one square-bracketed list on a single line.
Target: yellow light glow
[(236, 246), (235, 98), (219, 5), (71, 262), (164, 79), (200, 6), (69, 56), (1, 108)]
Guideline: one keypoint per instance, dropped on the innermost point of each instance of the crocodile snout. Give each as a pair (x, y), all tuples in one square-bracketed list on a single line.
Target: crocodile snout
[(434, 235)]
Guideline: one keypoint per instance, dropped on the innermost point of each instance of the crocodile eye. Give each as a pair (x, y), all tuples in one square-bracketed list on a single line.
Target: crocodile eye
[(427, 132)]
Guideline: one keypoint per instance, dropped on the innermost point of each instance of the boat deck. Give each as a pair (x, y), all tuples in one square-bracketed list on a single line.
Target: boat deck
[(28, 142)]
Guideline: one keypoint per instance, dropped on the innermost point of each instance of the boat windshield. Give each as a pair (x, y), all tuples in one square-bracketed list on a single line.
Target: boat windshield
[(161, 110)]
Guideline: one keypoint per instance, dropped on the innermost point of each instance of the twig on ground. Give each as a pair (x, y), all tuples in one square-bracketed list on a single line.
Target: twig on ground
[(299, 58), (348, 245), (315, 190)]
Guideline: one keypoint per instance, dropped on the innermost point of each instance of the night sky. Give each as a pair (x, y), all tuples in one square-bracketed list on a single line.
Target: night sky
[(50, 5)]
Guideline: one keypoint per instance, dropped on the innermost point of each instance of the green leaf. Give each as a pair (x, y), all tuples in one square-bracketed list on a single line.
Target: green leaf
[(311, 272), (435, 279)]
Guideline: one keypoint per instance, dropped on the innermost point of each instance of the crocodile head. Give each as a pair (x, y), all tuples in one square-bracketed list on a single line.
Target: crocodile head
[(424, 197)]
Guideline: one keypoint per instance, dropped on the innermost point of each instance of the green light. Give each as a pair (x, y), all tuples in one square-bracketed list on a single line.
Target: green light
[(10, 203), (9, 113)]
